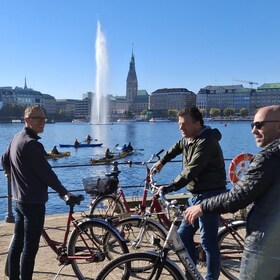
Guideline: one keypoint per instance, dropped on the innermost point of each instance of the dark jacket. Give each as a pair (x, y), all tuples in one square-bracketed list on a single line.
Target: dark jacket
[(261, 185), (203, 161), (31, 174)]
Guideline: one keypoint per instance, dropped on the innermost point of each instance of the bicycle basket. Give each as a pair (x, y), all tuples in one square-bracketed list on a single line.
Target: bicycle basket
[(100, 186)]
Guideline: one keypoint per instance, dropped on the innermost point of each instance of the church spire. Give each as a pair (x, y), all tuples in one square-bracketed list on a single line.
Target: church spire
[(131, 81), (25, 85)]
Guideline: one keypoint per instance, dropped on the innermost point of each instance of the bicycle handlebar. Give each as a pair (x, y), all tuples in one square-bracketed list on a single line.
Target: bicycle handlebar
[(146, 162)]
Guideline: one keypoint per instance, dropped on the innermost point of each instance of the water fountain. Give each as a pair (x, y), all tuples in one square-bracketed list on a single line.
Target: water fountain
[(99, 108)]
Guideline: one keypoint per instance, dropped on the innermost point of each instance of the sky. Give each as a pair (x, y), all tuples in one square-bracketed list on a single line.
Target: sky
[(176, 43)]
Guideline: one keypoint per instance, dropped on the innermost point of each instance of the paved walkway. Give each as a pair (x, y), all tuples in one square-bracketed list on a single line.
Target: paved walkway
[(46, 267)]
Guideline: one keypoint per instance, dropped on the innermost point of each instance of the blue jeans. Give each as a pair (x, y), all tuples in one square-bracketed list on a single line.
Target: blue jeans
[(29, 222), (208, 225)]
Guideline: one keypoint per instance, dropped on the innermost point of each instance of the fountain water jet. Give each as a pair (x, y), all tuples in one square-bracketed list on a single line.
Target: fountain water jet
[(99, 108)]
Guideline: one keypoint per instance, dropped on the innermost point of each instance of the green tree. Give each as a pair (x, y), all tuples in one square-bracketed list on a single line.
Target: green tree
[(244, 112), (203, 112), (214, 112), (172, 112), (228, 111)]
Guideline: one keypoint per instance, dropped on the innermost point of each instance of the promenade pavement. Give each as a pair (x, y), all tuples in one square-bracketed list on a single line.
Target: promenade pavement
[(46, 267)]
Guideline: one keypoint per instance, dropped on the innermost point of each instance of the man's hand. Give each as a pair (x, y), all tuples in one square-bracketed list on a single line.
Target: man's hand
[(156, 168), (192, 213)]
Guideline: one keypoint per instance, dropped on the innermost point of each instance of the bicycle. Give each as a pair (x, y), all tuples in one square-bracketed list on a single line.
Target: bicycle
[(155, 265), (81, 248), (107, 201), (138, 230)]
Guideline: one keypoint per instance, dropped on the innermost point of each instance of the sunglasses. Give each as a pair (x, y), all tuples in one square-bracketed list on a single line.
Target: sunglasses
[(259, 125)]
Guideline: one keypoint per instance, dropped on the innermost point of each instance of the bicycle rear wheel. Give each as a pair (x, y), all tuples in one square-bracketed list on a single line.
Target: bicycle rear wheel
[(89, 255), (231, 243), (107, 206), (140, 266)]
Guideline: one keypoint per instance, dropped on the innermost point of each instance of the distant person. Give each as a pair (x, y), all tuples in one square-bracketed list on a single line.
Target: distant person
[(76, 143), (124, 149), (129, 147), (204, 176), (88, 138), (260, 185), (55, 151), (30, 173), (108, 155)]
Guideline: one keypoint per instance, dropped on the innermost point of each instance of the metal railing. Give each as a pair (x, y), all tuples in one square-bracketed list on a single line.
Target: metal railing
[(9, 218)]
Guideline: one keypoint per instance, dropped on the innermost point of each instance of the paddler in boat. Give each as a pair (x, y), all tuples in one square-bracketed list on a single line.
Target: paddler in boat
[(88, 138), (55, 151)]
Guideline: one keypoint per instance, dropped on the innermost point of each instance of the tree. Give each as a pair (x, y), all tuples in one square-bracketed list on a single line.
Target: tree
[(214, 112), (172, 112), (228, 111), (244, 112), (203, 112)]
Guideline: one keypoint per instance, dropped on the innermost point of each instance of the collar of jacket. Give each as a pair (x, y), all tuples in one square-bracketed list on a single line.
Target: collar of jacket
[(31, 133)]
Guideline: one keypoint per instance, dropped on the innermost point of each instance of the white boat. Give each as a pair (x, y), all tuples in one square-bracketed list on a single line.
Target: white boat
[(159, 120)]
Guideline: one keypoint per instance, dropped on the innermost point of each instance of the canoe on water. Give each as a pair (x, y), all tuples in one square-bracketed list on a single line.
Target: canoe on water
[(56, 156), (82, 145), (115, 157)]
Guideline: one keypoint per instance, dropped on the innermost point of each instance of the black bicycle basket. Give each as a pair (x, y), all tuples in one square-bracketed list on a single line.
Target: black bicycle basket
[(100, 186)]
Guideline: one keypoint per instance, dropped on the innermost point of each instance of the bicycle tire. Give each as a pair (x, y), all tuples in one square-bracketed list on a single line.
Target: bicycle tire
[(232, 249), (82, 243), (106, 206), (153, 236), (120, 268)]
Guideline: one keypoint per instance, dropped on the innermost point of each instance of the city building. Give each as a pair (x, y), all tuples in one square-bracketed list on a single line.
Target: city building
[(238, 97), (221, 97), (162, 100), (267, 94)]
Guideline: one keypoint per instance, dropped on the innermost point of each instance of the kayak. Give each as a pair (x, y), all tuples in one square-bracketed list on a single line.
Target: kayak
[(56, 156), (82, 145), (115, 157)]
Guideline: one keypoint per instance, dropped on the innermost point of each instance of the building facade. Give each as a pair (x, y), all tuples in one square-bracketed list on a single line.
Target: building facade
[(164, 99)]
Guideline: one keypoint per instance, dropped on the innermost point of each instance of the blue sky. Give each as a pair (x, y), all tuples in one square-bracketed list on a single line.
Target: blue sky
[(177, 43)]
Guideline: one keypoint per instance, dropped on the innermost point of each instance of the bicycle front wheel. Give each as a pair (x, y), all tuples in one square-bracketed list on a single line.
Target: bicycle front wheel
[(142, 234), (140, 266), (92, 246), (107, 206), (231, 243)]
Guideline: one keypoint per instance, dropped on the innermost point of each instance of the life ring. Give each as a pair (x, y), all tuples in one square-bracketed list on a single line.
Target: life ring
[(238, 160)]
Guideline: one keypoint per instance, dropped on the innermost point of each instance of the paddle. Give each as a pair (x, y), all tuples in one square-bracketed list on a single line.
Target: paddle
[(114, 149)]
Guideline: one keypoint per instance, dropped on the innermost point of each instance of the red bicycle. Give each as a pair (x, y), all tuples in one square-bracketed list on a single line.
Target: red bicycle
[(92, 242)]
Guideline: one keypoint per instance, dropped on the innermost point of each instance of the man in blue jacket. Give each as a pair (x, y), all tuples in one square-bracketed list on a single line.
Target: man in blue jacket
[(30, 173), (260, 185), (204, 176)]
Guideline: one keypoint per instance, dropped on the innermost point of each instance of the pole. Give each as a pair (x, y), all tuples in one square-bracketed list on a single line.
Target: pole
[(9, 216)]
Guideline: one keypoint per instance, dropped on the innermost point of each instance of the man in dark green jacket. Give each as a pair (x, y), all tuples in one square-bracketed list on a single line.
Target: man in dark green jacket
[(204, 176)]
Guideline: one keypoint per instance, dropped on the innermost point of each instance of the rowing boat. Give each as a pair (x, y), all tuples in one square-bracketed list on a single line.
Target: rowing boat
[(115, 157), (50, 155), (82, 145)]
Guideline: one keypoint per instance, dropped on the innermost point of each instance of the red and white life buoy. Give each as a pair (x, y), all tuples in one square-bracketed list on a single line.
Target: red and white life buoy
[(233, 170)]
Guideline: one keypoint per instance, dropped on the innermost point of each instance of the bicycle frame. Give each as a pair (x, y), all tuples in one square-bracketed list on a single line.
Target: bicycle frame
[(60, 248)]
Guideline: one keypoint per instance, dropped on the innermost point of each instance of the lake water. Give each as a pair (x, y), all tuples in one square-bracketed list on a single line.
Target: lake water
[(146, 138)]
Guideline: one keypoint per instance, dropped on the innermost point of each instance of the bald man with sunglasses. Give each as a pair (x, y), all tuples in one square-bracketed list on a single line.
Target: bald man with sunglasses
[(260, 186)]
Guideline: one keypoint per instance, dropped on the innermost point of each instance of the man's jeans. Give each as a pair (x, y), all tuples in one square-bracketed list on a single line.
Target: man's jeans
[(259, 262), (208, 225), (29, 222)]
